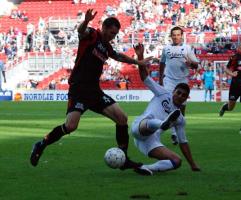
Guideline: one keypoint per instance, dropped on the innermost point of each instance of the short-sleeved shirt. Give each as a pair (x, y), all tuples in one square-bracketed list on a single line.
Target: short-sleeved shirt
[(91, 56), (174, 58), (161, 105), (84, 90)]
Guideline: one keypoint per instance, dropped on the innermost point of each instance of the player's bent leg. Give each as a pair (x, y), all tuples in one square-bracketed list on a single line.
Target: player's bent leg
[(50, 138), (115, 113), (223, 109), (37, 151), (231, 105), (148, 126), (58, 132), (168, 160), (227, 107)]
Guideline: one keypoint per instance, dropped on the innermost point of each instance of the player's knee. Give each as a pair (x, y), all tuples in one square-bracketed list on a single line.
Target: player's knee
[(71, 127), (176, 162), (122, 120)]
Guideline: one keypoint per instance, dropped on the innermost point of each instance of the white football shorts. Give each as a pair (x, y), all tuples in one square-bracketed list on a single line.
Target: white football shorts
[(145, 143)]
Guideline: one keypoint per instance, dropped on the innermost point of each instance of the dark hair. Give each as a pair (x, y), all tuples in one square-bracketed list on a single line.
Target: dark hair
[(176, 28), (183, 86), (111, 21)]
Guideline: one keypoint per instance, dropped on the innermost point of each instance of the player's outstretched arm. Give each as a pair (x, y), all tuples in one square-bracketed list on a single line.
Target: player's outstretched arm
[(126, 59), (89, 16), (188, 155), (139, 50), (161, 73)]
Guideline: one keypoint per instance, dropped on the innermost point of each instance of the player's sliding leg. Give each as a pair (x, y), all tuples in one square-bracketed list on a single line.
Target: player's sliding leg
[(50, 138), (161, 165), (167, 160)]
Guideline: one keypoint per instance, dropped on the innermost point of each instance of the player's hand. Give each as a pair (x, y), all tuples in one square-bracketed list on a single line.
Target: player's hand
[(139, 50), (145, 62), (89, 15), (235, 73), (190, 64)]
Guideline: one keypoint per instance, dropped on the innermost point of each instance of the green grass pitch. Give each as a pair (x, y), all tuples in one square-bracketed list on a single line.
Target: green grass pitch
[(73, 168)]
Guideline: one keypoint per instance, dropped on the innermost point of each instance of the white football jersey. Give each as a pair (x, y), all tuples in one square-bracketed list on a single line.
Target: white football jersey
[(161, 105), (174, 58)]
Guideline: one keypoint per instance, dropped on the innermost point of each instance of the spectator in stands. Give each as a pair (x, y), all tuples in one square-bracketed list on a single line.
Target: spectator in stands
[(208, 82), (33, 84), (2, 74), (233, 69), (52, 85), (84, 91), (29, 42), (128, 81), (24, 16)]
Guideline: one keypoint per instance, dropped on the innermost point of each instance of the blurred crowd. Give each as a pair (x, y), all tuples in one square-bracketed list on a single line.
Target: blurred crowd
[(146, 21)]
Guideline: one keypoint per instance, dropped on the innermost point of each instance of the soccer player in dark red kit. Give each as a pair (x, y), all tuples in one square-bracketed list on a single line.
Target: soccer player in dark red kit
[(84, 90), (233, 69)]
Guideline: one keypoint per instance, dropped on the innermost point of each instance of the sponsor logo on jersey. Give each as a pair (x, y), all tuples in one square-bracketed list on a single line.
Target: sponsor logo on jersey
[(166, 106), (99, 55), (172, 55)]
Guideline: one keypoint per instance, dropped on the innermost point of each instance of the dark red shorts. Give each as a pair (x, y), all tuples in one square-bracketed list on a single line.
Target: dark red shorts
[(96, 101)]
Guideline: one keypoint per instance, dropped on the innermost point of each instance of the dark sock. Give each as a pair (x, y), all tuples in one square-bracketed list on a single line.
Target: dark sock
[(122, 137), (225, 107), (54, 135)]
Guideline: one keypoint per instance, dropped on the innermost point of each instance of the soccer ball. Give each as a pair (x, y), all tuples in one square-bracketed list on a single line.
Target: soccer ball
[(115, 157)]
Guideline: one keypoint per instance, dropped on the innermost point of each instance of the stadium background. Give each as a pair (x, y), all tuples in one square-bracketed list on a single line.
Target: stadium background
[(73, 168), (38, 41)]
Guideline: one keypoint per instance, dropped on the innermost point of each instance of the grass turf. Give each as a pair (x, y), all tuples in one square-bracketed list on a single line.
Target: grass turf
[(73, 167)]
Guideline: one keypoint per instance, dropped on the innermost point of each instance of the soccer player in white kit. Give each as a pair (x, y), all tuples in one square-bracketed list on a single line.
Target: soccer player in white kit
[(175, 62), (161, 113)]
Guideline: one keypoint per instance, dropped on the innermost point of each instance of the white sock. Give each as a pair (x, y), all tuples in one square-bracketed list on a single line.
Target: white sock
[(153, 124), (161, 165)]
